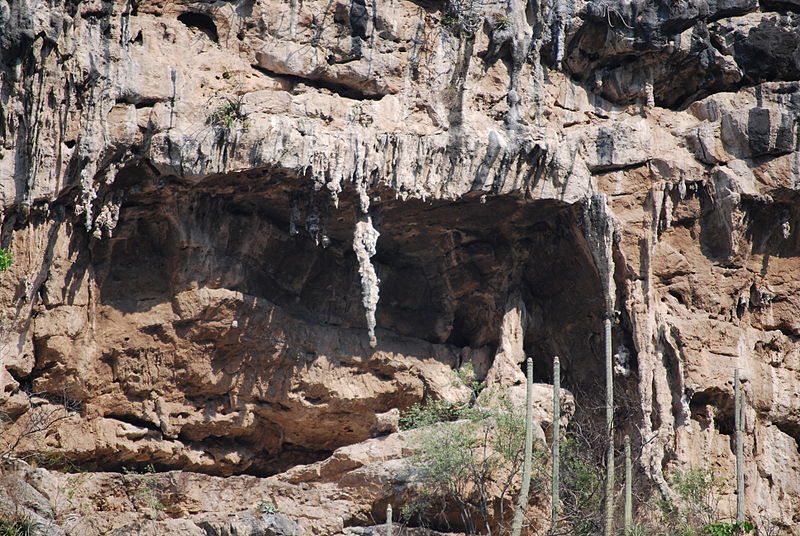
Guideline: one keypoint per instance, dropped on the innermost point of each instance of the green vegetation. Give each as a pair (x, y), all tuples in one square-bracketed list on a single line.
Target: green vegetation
[(697, 502), (728, 529), (462, 17), (695, 511), (230, 115), (466, 376), (451, 20), (6, 259), (581, 485), (54, 461), (19, 524), (468, 457), (431, 412), (461, 467), (144, 487), (267, 508), (149, 468), (502, 21)]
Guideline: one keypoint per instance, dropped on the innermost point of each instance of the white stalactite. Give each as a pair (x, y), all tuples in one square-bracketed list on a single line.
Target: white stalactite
[(365, 240)]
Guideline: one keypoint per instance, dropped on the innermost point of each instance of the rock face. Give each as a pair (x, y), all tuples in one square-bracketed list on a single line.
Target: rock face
[(210, 205)]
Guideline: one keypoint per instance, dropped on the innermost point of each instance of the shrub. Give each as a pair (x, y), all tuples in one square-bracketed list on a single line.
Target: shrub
[(229, 115), (722, 528), (466, 376), (582, 485), (6, 259), (19, 524), (698, 497), (466, 471), (40, 419), (502, 21), (431, 412), (450, 20)]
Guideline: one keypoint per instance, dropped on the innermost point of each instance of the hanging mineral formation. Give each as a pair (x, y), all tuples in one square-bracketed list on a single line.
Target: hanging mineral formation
[(365, 240)]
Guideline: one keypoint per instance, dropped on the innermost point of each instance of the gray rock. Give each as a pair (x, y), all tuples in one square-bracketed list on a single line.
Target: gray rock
[(266, 525)]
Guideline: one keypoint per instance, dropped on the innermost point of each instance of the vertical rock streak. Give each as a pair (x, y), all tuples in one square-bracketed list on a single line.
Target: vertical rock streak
[(599, 232)]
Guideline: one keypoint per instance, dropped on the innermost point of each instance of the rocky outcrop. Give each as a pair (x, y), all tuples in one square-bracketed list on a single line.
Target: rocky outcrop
[(216, 210)]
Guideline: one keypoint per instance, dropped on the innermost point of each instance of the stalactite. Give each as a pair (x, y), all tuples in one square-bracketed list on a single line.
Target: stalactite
[(562, 10), (365, 240), (649, 91)]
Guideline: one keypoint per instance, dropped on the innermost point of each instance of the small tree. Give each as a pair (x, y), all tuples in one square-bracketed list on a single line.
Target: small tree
[(581, 485), (38, 420), (470, 468), (696, 505)]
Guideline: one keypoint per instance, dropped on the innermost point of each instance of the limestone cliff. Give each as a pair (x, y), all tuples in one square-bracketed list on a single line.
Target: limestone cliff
[(245, 233)]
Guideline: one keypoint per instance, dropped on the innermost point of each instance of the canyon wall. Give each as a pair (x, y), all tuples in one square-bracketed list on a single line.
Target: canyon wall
[(246, 234)]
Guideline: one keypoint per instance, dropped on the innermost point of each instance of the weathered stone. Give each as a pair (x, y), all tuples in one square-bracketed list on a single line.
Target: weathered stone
[(180, 185)]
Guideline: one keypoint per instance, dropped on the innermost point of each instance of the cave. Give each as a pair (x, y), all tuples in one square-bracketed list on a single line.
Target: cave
[(446, 269), (202, 23)]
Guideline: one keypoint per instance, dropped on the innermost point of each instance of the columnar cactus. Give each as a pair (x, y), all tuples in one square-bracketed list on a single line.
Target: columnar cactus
[(738, 414), (556, 498), (609, 517), (628, 486), (522, 500)]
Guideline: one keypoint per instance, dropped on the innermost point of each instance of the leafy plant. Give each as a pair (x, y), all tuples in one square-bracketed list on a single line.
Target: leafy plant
[(145, 487), (6, 259), (267, 508), (149, 468), (462, 17), (450, 20), (54, 461), (698, 491), (722, 528), (229, 115), (430, 411), (466, 375), (638, 530)]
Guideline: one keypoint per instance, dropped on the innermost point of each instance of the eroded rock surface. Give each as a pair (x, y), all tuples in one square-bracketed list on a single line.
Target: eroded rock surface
[(181, 184)]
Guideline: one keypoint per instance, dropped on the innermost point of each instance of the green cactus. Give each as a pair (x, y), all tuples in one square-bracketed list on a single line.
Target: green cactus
[(628, 486), (556, 498), (737, 398), (609, 495), (522, 500)]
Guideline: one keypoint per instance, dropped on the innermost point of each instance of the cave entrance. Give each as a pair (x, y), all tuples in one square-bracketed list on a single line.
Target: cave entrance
[(447, 271)]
